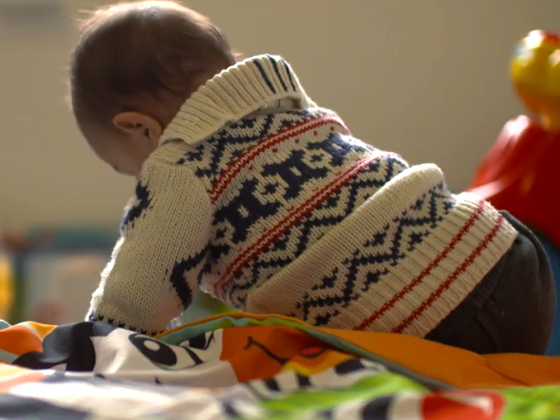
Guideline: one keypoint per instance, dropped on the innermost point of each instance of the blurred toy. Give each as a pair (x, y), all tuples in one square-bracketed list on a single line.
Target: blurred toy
[(535, 71), (7, 293), (519, 173)]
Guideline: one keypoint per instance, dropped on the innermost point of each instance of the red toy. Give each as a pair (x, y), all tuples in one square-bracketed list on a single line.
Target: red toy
[(519, 173)]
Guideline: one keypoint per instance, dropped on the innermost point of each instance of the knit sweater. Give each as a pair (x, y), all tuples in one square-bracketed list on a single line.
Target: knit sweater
[(266, 201)]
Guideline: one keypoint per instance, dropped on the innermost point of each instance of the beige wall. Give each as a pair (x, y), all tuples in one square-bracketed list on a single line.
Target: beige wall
[(426, 78)]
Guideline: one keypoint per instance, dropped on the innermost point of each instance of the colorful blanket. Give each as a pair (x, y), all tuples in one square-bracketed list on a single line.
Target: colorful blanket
[(238, 366)]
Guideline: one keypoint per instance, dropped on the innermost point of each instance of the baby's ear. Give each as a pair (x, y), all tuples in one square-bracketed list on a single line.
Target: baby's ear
[(138, 125)]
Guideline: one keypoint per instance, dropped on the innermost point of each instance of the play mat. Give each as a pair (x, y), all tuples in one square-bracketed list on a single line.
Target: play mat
[(237, 366)]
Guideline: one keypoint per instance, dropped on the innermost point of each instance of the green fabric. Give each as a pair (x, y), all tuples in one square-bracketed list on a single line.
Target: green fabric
[(203, 306)]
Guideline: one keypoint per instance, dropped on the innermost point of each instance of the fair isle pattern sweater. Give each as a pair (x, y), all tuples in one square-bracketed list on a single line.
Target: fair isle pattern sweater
[(283, 211)]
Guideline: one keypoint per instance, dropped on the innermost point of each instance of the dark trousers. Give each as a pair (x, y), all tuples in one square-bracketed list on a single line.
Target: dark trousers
[(512, 309)]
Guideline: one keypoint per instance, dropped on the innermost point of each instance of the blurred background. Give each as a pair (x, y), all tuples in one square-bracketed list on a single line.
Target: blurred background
[(428, 79)]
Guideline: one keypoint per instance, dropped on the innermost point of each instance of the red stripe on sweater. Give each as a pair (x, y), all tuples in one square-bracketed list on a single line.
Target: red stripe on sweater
[(449, 281), (268, 142), (292, 219), (388, 305)]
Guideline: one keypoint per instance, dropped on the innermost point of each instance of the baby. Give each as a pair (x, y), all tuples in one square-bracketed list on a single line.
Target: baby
[(251, 192)]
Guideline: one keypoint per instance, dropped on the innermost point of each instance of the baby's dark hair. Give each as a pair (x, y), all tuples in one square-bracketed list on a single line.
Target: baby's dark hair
[(130, 52)]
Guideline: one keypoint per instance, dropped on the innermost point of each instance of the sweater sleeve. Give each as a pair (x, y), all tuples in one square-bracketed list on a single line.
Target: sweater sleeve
[(159, 259)]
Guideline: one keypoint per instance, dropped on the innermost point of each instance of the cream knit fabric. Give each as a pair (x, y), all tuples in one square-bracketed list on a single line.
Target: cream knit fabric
[(266, 201)]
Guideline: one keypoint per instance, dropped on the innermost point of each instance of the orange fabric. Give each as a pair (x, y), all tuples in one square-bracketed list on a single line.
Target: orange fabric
[(453, 366), (18, 340), (42, 330), (533, 370), (263, 348), (313, 360)]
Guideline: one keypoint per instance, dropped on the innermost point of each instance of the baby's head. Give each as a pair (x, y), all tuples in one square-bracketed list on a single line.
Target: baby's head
[(133, 67)]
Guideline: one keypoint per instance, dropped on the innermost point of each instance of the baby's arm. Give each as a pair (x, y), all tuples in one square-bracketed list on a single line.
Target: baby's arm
[(156, 265)]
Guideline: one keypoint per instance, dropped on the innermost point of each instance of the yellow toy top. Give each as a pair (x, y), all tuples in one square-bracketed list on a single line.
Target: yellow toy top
[(535, 71)]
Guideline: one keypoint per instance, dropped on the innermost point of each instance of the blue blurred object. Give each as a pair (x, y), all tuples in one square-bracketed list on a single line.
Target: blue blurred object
[(554, 257), (59, 267)]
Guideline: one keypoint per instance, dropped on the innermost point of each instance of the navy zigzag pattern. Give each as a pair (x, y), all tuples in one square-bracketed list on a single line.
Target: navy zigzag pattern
[(311, 228), (385, 246)]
